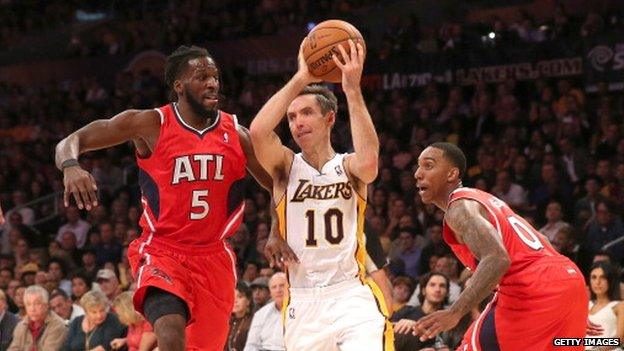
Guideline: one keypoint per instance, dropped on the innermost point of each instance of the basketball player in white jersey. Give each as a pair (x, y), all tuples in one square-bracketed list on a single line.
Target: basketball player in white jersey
[(320, 199)]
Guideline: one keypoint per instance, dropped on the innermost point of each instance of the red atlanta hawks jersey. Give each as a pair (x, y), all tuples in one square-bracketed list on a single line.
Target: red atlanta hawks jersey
[(193, 182), (527, 251)]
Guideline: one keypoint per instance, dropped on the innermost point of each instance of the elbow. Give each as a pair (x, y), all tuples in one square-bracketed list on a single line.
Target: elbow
[(503, 262), (371, 167), (256, 131)]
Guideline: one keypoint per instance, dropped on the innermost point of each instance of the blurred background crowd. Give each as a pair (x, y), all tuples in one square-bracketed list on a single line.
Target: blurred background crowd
[(552, 150)]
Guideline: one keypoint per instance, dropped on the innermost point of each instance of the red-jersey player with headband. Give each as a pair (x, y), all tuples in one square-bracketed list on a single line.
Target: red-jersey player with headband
[(192, 159), (539, 294)]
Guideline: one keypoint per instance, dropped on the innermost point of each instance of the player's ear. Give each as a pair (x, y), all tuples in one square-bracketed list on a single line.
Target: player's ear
[(331, 118), (177, 87), (453, 174)]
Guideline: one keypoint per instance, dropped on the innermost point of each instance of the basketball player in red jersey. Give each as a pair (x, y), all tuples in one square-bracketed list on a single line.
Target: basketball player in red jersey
[(540, 294), (192, 159)]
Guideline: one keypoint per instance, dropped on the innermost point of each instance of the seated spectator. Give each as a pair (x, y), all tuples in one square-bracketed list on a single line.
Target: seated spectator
[(449, 266), (28, 272), (19, 301), (76, 225), (585, 207), (8, 322), (260, 292), (250, 272), (42, 329), (554, 215), (89, 267), (604, 228), (58, 272), (565, 243), (97, 328), (266, 332), (62, 305), (513, 194), (605, 306), (409, 252), (109, 284), (241, 319), (402, 289), (80, 286), (432, 296), (140, 335)]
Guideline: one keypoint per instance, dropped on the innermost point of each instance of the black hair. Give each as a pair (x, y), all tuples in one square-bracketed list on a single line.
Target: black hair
[(324, 97), (61, 264), (177, 62), (454, 155), (611, 272), (59, 292)]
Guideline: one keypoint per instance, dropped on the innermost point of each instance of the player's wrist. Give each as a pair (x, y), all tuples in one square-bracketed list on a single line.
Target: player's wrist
[(69, 163)]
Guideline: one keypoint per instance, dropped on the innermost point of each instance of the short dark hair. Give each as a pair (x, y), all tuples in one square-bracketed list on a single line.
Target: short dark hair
[(611, 272), (453, 154), (324, 97), (178, 60), (59, 292)]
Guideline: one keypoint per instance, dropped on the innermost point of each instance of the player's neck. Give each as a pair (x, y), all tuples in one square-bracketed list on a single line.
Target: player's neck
[(443, 201), (318, 156), (193, 118)]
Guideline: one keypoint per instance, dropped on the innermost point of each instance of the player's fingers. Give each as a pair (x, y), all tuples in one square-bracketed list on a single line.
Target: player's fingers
[(76, 194), (352, 50), (339, 64), (66, 197), (84, 194), (360, 53), (290, 256), (343, 53)]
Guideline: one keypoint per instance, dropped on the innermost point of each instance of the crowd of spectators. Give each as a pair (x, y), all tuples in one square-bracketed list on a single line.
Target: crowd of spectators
[(551, 151)]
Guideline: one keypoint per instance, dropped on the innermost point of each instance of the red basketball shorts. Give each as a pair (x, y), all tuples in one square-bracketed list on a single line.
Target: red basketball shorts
[(555, 306), (205, 279)]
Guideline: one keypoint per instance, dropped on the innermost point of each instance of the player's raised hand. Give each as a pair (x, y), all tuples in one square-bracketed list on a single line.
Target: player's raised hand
[(352, 67), (303, 70), (432, 324), (81, 185), (278, 252), (594, 329)]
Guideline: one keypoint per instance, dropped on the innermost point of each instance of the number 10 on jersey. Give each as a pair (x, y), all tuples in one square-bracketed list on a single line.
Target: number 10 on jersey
[(334, 230)]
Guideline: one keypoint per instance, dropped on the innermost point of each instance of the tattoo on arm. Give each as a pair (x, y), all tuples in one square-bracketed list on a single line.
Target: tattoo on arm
[(473, 229)]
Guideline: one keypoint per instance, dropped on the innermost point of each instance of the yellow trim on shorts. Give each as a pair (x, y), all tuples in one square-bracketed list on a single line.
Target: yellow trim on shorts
[(360, 257)]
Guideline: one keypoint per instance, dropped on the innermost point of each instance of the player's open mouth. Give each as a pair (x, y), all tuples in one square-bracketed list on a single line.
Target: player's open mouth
[(422, 189), (301, 134)]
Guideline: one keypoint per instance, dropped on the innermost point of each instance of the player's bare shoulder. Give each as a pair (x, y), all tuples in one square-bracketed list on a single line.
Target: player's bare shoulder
[(461, 211)]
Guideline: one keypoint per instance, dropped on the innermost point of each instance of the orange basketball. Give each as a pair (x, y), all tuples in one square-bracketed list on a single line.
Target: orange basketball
[(321, 45)]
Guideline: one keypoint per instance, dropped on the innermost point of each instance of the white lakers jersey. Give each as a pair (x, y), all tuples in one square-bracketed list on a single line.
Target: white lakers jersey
[(321, 217)]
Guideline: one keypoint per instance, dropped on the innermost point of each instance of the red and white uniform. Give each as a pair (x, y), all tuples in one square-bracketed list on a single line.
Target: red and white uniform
[(541, 296), (192, 195)]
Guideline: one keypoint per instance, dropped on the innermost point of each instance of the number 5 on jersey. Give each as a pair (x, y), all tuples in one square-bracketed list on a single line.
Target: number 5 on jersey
[(199, 204)]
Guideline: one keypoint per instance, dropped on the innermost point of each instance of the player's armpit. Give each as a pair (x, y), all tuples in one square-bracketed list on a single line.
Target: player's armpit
[(253, 166), (473, 229)]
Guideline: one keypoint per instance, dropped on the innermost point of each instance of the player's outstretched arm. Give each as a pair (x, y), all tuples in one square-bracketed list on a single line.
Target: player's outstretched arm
[(100, 134), (363, 163), (466, 219), (271, 153)]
